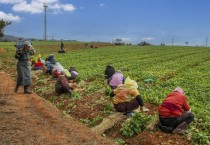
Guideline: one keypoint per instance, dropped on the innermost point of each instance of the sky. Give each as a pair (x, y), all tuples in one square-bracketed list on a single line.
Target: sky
[(154, 21)]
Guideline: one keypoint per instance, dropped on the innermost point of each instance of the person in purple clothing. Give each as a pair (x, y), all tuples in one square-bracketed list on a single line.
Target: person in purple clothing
[(116, 79)]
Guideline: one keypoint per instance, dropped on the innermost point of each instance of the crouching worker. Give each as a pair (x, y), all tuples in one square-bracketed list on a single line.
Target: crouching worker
[(62, 84), (57, 70), (126, 97), (175, 113), (74, 73), (38, 65)]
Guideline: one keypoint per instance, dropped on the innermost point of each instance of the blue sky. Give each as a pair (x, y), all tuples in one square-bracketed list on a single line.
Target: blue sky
[(153, 21)]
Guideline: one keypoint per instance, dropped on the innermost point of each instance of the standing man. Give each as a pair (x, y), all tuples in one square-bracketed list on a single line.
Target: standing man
[(23, 67)]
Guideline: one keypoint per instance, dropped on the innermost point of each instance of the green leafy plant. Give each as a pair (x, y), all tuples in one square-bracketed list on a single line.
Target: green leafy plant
[(119, 141), (92, 121), (136, 124), (108, 109), (75, 95)]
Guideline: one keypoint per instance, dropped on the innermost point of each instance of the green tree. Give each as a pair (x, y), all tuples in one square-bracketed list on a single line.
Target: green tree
[(3, 24)]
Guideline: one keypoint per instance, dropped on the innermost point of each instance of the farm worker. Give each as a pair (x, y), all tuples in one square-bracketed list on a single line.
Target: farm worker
[(62, 45), (57, 70), (23, 67), (61, 48), (38, 65), (109, 71), (62, 84), (127, 98), (74, 73), (51, 59), (174, 112), (49, 67), (116, 79)]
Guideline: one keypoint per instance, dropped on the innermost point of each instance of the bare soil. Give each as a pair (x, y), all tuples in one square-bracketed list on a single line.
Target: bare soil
[(30, 119)]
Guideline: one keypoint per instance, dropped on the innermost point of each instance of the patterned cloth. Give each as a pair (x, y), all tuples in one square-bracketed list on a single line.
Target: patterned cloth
[(62, 85), (125, 92), (57, 70)]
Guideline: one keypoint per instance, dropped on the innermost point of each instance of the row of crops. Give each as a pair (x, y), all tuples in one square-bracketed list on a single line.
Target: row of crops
[(169, 67)]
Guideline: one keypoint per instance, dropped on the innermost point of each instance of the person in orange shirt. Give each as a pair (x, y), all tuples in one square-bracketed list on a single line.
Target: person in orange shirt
[(174, 112), (127, 98)]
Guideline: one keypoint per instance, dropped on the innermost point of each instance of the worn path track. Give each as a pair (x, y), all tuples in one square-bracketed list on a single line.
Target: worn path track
[(29, 119)]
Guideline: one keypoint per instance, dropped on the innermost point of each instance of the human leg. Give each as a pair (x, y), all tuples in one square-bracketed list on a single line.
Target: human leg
[(26, 90), (183, 122)]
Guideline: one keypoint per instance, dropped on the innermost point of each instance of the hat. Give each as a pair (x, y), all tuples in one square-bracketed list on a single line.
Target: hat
[(28, 43), (66, 72), (180, 90)]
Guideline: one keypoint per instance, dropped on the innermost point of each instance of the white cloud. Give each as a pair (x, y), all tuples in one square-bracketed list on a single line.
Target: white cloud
[(36, 6), (11, 1), (148, 38), (68, 7), (9, 17), (102, 4), (47, 1)]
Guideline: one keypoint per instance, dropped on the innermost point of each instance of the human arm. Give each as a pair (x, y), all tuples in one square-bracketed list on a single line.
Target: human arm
[(141, 104), (32, 51), (112, 94), (18, 53)]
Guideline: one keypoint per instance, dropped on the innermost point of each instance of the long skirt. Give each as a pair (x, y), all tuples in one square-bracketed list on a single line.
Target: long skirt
[(24, 73), (127, 106)]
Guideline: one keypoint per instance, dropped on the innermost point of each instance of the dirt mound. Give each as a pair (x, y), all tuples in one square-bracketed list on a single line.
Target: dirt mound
[(2, 50), (29, 119)]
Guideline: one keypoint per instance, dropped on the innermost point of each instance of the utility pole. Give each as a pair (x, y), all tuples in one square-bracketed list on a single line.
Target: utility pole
[(45, 21), (206, 41), (172, 41)]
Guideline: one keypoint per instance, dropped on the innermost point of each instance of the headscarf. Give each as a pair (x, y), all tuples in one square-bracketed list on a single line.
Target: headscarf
[(58, 67), (130, 83), (180, 90), (117, 78), (66, 72)]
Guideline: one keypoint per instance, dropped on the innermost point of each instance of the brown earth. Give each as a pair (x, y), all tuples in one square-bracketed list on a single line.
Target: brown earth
[(31, 119), (2, 50)]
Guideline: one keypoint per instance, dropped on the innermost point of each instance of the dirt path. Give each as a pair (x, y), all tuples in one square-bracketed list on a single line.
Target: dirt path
[(29, 119)]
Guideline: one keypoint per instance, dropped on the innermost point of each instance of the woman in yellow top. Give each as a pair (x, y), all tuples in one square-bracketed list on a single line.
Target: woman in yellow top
[(127, 98)]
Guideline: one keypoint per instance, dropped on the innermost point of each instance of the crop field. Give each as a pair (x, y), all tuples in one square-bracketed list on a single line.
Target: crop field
[(168, 67)]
